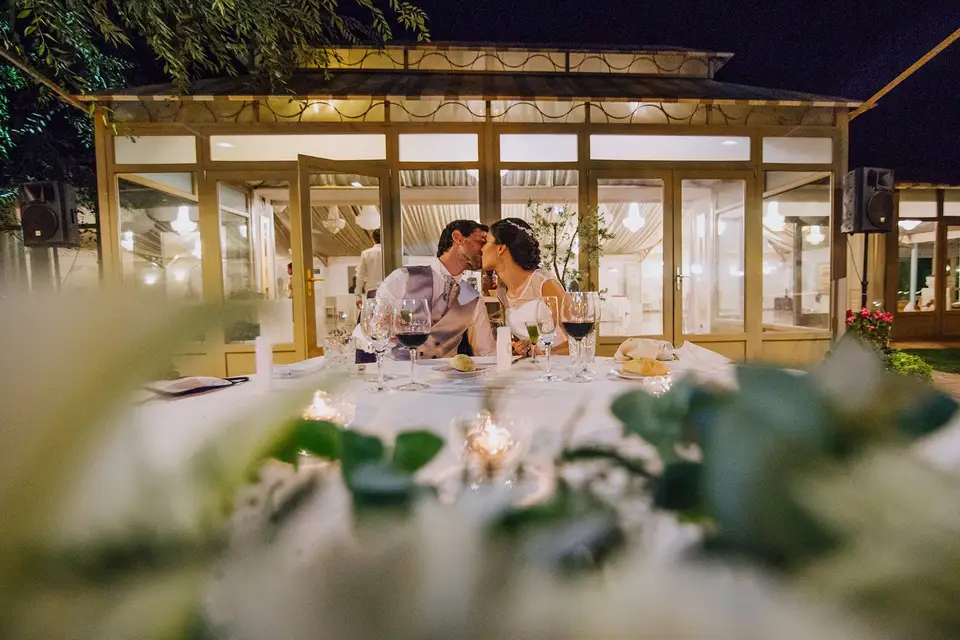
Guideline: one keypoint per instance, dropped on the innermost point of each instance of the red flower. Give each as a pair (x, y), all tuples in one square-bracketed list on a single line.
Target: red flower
[(872, 327), (849, 315), (849, 320), (864, 313), (888, 317)]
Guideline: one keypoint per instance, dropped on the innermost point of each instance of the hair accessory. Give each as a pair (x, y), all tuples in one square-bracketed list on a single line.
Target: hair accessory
[(526, 230)]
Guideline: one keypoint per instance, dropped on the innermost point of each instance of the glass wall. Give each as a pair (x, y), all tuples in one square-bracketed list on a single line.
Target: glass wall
[(916, 251), (712, 256), (430, 199), (159, 238), (345, 212), (544, 197), (952, 277), (631, 269), (796, 250)]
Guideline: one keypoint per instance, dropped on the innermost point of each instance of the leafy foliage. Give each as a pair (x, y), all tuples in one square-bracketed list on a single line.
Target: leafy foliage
[(910, 365), (565, 235), (217, 37)]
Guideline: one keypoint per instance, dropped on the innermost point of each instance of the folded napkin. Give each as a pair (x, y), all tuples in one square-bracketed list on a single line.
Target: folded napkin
[(192, 384), (690, 352), (639, 348)]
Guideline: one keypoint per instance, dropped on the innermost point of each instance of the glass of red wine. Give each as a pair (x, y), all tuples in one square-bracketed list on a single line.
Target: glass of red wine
[(412, 328), (578, 313)]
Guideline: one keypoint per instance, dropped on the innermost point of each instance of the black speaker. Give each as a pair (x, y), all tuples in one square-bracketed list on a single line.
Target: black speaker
[(867, 201), (48, 213)]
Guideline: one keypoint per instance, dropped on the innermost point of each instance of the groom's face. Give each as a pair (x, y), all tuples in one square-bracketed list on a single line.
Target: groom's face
[(472, 248)]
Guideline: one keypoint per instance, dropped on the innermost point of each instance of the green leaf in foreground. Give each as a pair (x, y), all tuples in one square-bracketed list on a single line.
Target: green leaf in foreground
[(414, 449), (679, 487), (359, 450)]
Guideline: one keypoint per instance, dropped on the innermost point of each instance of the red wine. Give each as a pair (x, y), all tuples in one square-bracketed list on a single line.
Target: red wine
[(412, 340), (578, 330)]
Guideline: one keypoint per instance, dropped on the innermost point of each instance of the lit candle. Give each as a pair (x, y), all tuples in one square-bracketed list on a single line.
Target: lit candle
[(490, 445), (319, 409)]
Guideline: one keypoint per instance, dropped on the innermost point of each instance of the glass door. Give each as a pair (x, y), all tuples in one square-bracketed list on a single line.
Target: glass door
[(337, 249), (710, 247), (635, 271)]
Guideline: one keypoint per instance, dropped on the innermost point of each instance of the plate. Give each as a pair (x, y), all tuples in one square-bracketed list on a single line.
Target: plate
[(626, 375), (447, 370)]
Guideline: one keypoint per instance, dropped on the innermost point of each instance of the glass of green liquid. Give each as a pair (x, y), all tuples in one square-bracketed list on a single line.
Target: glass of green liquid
[(533, 331)]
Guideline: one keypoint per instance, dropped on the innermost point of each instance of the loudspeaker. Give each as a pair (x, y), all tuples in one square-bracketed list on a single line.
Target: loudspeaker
[(48, 213), (867, 201)]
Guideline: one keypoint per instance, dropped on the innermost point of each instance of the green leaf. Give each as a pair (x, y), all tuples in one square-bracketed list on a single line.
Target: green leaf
[(414, 449), (359, 450), (322, 439), (763, 438), (23, 14), (929, 413), (640, 415), (378, 484), (679, 487), (30, 29)]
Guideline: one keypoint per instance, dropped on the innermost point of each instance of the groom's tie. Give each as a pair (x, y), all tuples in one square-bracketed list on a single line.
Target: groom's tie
[(449, 297)]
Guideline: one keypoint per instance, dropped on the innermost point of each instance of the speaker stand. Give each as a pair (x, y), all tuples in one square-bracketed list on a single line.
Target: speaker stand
[(863, 280)]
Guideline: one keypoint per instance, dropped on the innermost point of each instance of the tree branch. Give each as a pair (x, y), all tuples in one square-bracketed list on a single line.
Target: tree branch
[(44, 80)]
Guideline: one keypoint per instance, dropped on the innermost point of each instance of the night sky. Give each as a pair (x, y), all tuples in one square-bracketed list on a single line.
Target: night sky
[(846, 48)]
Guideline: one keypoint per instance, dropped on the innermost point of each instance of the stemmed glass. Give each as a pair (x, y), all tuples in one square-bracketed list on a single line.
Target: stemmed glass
[(548, 318), (579, 317), (376, 323), (413, 322), (533, 332)]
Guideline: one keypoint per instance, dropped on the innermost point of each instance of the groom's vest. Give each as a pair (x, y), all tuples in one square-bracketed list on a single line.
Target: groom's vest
[(448, 329)]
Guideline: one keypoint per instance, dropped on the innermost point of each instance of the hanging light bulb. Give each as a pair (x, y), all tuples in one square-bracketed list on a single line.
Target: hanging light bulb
[(369, 218), (772, 218), (316, 107), (126, 240), (815, 235), (243, 230), (182, 224), (334, 222), (909, 225), (634, 221)]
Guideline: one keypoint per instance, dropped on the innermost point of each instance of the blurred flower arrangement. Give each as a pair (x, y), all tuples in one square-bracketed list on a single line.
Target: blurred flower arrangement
[(796, 497)]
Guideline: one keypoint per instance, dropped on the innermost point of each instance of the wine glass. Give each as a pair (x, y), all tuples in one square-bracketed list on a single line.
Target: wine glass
[(412, 324), (533, 332), (376, 323), (548, 318), (578, 314)]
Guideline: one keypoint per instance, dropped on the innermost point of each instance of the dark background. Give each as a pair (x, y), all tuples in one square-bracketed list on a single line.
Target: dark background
[(845, 48)]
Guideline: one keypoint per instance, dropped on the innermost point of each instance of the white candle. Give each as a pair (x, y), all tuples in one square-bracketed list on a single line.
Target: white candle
[(319, 409), (264, 364), (490, 445), (504, 348)]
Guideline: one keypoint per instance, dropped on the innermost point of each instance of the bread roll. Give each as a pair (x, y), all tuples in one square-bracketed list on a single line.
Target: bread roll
[(646, 367), (463, 363)]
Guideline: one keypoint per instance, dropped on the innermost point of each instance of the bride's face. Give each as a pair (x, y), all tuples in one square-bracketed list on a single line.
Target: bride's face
[(491, 253)]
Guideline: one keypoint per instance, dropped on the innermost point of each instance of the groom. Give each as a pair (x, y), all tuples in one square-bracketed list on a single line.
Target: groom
[(460, 321)]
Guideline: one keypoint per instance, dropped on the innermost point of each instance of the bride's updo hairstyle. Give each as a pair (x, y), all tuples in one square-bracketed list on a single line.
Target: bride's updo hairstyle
[(518, 237)]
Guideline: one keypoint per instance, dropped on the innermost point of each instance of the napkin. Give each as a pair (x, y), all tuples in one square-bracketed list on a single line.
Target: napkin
[(637, 348), (701, 356)]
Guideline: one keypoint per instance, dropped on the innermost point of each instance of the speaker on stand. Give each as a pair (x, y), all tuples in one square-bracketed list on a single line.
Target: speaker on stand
[(48, 217), (867, 208)]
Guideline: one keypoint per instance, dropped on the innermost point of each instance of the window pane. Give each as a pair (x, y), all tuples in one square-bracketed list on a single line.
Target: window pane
[(917, 251), (524, 191), (176, 181), (154, 149), (159, 241), (798, 150), (952, 276), (438, 147), (538, 148), (796, 251), (631, 269), (918, 203), (345, 213), (276, 148), (239, 274), (712, 256), (631, 147), (429, 201)]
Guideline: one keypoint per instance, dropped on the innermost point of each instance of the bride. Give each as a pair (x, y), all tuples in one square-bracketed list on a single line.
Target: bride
[(514, 253)]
